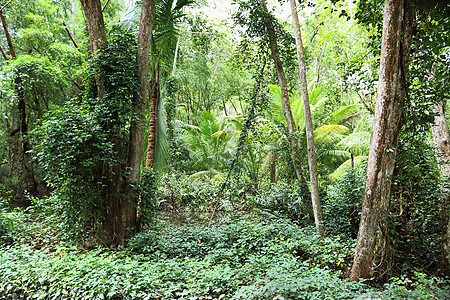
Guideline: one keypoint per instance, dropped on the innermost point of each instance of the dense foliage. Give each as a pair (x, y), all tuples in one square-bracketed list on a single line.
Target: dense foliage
[(221, 212)]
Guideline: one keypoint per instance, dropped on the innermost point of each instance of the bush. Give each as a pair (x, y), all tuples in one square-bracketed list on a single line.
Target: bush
[(342, 206), (282, 200)]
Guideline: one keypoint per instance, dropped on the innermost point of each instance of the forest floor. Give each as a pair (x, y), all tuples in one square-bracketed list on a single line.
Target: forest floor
[(241, 256)]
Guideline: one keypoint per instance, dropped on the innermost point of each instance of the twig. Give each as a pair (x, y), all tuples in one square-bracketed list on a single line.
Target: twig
[(3, 7), (4, 53), (104, 6), (8, 36), (68, 32)]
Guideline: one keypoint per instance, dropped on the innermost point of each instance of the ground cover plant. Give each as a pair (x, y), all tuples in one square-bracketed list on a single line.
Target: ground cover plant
[(241, 257)]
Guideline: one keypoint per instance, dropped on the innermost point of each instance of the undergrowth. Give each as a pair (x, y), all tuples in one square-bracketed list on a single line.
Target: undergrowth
[(243, 257)]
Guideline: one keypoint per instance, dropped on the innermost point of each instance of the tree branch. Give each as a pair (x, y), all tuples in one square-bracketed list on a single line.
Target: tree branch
[(104, 6), (3, 7), (3, 53), (68, 32)]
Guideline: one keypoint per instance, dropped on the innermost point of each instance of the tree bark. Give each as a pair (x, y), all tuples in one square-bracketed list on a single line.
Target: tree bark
[(97, 35), (24, 148), (137, 130), (154, 96), (313, 175), (386, 127), (8, 36), (295, 151), (441, 138)]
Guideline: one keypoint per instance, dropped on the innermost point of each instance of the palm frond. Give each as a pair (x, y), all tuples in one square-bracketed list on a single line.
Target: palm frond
[(356, 142), (347, 165), (161, 155), (342, 113), (329, 133)]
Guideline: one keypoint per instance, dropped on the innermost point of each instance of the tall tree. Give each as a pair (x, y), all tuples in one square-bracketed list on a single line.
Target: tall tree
[(441, 138), (97, 35), (314, 178), (23, 144), (386, 127), (295, 151), (121, 216)]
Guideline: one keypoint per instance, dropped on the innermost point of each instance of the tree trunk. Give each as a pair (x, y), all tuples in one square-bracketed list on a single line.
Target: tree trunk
[(138, 126), (441, 139), (24, 148), (97, 35), (8, 36), (313, 175), (23, 144), (295, 151), (152, 130), (386, 128), (273, 168)]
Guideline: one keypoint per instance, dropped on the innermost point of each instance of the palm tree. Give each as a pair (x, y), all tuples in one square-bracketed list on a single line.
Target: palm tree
[(212, 143), (334, 144)]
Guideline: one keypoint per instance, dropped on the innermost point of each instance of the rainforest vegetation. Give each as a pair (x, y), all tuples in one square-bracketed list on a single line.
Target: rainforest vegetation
[(244, 149)]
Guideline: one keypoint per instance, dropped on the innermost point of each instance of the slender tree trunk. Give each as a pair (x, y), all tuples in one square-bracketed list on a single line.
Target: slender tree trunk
[(295, 151), (386, 128), (8, 36), (23, 144), (318, 63), (273, 168), (97, 35), (152, 130), (441, 138), (24, 148), (140, 98), (313, 175)]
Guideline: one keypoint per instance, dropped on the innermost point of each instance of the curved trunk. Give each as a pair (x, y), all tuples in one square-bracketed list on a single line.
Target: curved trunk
[(295, 151), (313, 175)]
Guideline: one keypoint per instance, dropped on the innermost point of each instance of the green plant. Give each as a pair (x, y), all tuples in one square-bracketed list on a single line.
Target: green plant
[(342, 205)]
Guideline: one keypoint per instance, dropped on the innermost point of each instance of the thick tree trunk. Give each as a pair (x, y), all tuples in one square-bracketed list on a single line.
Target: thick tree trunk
[(97, 35), (313, 175), (140, 98), (295, 151), (386, 128), (95, 25), (441, 139)]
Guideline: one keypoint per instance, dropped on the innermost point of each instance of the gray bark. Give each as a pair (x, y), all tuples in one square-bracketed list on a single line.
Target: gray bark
[(386, 126), (441, 138), (295, 151), (140, 98), (313, 175)]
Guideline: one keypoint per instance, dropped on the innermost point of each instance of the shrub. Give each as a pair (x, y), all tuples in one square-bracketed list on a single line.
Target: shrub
[(342, 206)]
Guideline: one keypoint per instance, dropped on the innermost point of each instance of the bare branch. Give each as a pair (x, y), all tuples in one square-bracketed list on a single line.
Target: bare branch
[(3, 7), (104, 6)]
